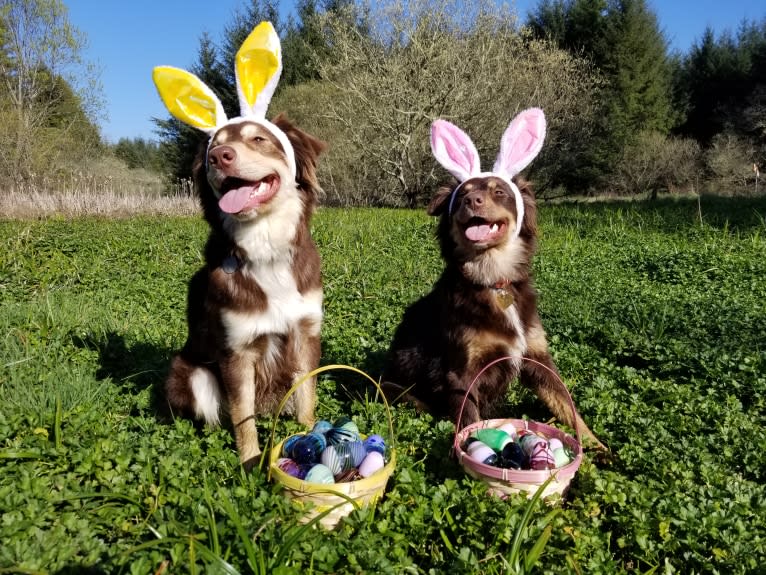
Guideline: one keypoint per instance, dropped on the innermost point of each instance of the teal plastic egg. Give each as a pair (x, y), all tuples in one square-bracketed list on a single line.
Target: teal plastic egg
[(346, 423), (320, 474), (494, 438), (561, 457)]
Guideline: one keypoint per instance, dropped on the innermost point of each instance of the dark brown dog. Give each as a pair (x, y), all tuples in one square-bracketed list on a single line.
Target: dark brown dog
[(255, 308), (483, 307)]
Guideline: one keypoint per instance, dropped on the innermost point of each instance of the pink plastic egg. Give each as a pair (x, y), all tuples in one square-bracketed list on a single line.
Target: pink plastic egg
[(555, 443), (510, 429)]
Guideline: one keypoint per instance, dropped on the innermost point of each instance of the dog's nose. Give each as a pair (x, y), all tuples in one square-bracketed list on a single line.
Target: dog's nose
[(222, 156), (474, 200)]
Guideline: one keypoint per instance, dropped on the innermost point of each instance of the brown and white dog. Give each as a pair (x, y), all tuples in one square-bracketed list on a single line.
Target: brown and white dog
[(483, 307), (255, 308)]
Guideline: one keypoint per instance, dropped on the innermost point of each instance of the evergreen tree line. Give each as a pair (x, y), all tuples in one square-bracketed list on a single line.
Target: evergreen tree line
[(626, 115)]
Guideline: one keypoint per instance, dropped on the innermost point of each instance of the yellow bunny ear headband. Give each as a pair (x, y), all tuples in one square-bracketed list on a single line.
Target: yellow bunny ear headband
[(257, 68)]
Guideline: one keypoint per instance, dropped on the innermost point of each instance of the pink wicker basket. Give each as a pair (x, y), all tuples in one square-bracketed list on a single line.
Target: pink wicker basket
[(504, 482)]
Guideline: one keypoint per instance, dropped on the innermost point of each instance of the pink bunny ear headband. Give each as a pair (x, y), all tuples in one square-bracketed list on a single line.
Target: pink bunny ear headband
[(520, 144), (257, 67)]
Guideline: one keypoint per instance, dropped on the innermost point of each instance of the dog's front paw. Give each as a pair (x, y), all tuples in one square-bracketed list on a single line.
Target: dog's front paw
[(250, 462)]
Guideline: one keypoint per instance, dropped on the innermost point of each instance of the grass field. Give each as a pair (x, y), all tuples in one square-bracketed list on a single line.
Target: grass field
[(656, 315)]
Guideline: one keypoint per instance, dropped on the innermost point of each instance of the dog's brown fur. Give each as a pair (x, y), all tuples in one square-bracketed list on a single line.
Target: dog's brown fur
[(254, 309), (483, 307)]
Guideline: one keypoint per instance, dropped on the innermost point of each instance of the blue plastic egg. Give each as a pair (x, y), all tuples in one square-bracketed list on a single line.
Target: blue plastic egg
[(357, 450), (320, 474), (308, 448), (288, 444), (513, 457), (375, 442), (322, 426)]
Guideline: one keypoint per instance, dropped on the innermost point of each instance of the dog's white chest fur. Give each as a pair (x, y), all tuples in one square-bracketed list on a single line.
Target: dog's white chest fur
[(285, 307), (519, 346)]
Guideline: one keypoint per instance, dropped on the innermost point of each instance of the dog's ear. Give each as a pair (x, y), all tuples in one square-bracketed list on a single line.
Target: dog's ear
[(307, 149), (529, 223), (439, 202)]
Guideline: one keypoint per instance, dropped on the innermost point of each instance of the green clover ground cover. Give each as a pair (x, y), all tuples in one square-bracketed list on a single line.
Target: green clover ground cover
[(657, 322)]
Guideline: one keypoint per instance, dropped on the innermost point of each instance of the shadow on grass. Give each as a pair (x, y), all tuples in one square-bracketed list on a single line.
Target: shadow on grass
[(135, 367)]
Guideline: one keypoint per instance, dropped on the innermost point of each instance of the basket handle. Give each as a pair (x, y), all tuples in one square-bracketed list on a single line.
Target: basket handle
[(304, 378), (556, 377)]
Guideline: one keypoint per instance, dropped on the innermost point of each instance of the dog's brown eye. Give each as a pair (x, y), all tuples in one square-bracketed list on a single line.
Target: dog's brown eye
[(259, 139), (499, 192)]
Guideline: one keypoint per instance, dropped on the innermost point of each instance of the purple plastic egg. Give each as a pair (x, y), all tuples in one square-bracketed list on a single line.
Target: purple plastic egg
[(375, 442), (373, 463), (292, 468), (320, 474)]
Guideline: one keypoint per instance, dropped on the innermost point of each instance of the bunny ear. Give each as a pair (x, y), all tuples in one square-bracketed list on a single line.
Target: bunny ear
[(188, 98), (454, 150), (521, 142), (257, 67)]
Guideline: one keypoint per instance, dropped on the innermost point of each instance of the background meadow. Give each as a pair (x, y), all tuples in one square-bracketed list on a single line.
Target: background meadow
[(655, 314)]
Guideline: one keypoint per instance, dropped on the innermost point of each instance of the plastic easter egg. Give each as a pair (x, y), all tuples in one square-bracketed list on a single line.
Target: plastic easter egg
[(372, 463), (348, 475), (555, 443), (358, 452), (375, 442), (332, 460), (292, 468), (322, 426), (510, 429), (320, 474), (346, 423), (494, 438), (482, 453), (288, 444), (529, 441), (560, 457), (308, 448), (513, 457), (541, 457), (339, 435)]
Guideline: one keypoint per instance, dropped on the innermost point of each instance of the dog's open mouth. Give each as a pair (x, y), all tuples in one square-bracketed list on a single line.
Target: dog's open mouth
[(240, 195), (480, 230)]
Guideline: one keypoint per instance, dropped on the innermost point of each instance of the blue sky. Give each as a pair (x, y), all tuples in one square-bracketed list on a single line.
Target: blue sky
[(127, 38)]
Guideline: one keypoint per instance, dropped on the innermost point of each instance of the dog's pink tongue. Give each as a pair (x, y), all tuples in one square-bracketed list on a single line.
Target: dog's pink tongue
[(234, 201), (477, 233)]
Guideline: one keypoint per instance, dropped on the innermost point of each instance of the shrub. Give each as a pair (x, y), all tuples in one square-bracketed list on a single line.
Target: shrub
[(655, 163)]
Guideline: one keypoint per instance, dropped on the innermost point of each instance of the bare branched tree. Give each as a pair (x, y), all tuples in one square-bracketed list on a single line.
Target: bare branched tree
[(424, 59)]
